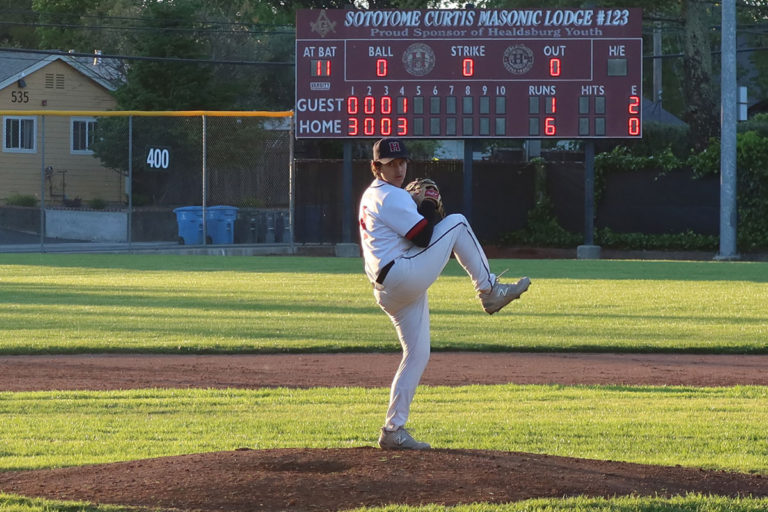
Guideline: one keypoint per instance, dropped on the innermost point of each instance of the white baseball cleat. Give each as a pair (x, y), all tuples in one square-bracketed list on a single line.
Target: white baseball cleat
[(400, 439), (502, 294)]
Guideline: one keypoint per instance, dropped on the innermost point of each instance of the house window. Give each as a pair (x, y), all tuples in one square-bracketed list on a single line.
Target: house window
[(83, 134), (19, 134)]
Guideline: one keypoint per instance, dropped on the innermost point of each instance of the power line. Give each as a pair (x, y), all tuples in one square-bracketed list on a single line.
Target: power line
[(153, 59), (250, 27), (713, 52), (145, 28)]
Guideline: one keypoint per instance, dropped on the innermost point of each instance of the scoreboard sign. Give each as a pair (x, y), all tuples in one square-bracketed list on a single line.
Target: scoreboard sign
[(495, 73)]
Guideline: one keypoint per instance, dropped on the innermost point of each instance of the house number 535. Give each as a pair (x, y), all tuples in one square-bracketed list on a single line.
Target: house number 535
[(19, 97)]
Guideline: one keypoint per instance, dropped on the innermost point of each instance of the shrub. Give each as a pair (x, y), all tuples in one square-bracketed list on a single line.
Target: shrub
[(21, 200), (758, 123), (542, 228), (97, 203), (660, 135), (620, 158), (752, 172), (752, 177), (687, 241)]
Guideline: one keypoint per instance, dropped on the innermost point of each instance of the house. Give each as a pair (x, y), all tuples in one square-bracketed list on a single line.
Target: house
[(56, 147), (654, 113)]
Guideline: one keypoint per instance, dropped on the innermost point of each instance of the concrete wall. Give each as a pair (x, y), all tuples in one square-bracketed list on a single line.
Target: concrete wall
[(94, 226)]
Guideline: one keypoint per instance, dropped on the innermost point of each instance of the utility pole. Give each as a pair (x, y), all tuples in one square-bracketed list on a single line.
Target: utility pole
[(728, 106)]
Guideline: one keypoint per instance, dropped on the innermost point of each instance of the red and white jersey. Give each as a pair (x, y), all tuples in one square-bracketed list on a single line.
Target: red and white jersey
[(388, 221)]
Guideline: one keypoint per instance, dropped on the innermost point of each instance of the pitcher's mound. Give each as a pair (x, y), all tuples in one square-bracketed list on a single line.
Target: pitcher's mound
[(337, 479)]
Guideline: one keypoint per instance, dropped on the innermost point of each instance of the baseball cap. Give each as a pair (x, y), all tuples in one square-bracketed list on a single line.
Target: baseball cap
[(388, 149)]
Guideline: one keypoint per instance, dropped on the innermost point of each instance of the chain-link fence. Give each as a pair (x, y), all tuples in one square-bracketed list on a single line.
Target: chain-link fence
[(146, 178), (87, 180)]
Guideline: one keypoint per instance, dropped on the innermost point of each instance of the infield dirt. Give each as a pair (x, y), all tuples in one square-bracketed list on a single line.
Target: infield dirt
[(338, 479)]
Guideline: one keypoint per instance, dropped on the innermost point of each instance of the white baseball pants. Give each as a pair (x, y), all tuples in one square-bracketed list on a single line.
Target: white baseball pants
[(403, 296)]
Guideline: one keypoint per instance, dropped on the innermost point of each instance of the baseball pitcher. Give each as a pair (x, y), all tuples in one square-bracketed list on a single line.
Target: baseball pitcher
[(407, 241)]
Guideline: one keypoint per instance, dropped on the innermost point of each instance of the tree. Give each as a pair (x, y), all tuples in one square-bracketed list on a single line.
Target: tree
[(85, 25), (173, 32), (18, 27), (702, 113)]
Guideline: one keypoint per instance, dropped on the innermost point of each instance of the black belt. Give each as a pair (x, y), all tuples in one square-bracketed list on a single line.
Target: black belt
[(384, 271)]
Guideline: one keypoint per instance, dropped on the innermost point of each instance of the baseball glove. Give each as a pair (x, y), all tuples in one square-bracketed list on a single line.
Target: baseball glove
[(425, 189)]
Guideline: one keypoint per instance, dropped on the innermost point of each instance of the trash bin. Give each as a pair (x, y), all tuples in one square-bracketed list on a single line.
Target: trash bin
[(220, 223), (190, 221)]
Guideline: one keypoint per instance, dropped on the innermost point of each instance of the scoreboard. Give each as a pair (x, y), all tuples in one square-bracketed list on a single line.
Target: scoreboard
[(474, 73)]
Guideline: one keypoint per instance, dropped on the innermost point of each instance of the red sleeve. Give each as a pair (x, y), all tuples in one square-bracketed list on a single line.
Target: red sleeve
[(415, 230)]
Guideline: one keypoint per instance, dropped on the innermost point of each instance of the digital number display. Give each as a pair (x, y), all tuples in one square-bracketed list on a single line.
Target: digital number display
[(320, 67), (474, 73)]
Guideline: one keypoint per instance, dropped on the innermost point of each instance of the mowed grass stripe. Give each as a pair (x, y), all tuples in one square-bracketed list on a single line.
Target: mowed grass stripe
[(714, 428), (199, 304)]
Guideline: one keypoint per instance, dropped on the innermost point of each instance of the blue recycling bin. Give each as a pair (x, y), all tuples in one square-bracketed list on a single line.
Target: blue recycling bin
[(220, 223), (190, 222)]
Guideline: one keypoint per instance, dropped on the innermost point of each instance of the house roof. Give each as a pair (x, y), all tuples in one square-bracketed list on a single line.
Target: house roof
[(653, 112), (15, 65)]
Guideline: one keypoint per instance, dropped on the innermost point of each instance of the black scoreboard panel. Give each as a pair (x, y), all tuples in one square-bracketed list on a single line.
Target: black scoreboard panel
[(528, 73)]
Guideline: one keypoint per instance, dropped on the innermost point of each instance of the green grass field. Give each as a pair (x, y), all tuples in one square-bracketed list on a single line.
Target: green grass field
[(714, 428), (199, 304), (178, 304)]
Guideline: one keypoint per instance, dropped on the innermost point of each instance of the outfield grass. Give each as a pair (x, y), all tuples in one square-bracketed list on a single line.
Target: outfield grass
[(181, 304), (715, 428)]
